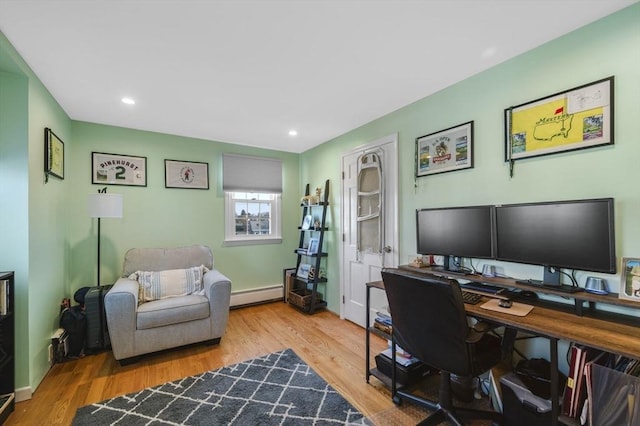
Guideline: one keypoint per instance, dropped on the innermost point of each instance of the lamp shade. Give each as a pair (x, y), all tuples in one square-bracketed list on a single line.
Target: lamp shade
[(104, 205)]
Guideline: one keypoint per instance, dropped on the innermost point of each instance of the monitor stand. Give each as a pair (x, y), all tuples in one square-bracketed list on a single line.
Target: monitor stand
[(452, 264), (551, 276), (551, 279)]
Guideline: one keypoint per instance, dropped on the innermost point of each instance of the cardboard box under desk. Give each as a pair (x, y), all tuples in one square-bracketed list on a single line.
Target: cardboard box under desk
[(405, 376)]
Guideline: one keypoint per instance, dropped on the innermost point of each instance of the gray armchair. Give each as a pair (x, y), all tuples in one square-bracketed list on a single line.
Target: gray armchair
[(140, 328)]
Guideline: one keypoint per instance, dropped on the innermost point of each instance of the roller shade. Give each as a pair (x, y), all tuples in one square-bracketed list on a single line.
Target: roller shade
[(243, 173)]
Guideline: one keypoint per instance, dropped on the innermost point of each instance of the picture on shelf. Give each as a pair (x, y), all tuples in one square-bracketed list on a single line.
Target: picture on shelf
[(306, 223), (313, 246), (303, 270), (630, 279)]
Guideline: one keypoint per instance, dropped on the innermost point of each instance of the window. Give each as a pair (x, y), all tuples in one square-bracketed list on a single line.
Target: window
[(252, 204), (252, 218)]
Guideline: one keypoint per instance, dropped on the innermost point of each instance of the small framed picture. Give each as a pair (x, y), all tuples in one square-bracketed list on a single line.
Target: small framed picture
[(630, 279), (445, 151), (53, 154), (303, 270), (313, 246), (307, 222), (186, 174), (115, 169)]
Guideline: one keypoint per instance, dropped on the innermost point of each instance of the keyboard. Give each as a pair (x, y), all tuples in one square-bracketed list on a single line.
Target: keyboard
[(483, 288), (471, 298)]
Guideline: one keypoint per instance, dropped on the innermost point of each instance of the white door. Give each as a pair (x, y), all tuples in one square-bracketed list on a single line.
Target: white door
[(361, 263)]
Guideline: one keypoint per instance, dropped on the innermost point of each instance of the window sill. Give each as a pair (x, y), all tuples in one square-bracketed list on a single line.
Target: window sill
[(251, 242)]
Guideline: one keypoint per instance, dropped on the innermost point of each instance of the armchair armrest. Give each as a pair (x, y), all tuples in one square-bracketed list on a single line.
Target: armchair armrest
[(120, 305), (213, 277), (126, 286), (217, 288)]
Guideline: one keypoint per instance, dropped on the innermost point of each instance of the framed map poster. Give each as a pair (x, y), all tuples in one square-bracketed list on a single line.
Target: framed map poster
[(114, 169), (578, 118), (444, 151)]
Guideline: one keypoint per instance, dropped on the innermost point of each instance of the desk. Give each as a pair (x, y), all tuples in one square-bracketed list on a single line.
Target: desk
[(554, 323)]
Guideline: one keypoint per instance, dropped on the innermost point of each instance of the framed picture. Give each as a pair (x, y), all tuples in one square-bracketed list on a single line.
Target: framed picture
[(577, 118), (630, 279), (303, 270), (307, 222), (445, 151), (114, 169), (186, 174), (53, 155), (313, 245)]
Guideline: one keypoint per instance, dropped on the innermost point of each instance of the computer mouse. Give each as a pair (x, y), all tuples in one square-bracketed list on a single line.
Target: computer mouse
[(505, 303)]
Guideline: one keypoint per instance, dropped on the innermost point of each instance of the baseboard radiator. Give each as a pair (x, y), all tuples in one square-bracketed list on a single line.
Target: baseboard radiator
[(255, 296)]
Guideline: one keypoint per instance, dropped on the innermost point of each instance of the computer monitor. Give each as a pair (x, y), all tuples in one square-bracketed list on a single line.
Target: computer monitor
[(456, 232), (564, 234)]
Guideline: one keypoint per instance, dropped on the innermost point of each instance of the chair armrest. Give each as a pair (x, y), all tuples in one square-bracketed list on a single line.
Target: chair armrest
[(121, 304), (212, 277), (482, 327), (477, 331), (217, 288), (127, 286)]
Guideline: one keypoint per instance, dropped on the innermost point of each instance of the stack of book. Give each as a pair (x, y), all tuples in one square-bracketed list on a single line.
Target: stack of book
[(409, 369), (403, 357), (382, 322)]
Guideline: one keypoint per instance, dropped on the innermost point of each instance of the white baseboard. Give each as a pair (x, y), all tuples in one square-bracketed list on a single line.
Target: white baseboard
[(256, 295), (23, 394)]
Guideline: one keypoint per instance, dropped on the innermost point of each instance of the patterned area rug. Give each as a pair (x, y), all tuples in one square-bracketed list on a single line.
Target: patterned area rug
[(276, 389)]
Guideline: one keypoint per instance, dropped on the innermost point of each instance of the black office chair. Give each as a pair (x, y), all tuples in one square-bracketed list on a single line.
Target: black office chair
[(429, 322)]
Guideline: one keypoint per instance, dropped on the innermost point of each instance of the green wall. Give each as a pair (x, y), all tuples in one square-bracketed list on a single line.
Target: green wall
[(155, 216), (608, 47), (34, 213), (14, 223)]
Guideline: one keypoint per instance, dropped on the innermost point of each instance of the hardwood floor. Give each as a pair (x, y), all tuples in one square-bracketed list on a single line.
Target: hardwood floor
[(334, 348)]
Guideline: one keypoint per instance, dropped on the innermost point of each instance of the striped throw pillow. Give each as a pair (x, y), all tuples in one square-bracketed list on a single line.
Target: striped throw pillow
[(155, 285)]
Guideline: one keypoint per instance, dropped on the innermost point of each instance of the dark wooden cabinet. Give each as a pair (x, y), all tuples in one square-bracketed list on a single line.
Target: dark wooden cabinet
[(310, 270), (7, 345)]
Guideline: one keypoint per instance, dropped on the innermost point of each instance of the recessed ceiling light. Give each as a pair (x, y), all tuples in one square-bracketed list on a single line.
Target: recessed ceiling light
[(293, 133), (128, 101)]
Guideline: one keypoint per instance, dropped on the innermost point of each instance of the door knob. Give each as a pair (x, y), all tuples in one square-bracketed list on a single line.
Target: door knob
[(386, 249)]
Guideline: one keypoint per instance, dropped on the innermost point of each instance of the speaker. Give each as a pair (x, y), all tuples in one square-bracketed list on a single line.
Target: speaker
[(596, 285)]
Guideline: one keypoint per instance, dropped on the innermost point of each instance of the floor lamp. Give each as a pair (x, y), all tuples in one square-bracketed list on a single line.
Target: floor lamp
[(103, 205)]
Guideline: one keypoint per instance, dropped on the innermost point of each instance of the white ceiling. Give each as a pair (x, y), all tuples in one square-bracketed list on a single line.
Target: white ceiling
[(247, 72)]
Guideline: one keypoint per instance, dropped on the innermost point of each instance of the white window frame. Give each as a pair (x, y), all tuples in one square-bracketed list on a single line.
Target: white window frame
[(231, 239)]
